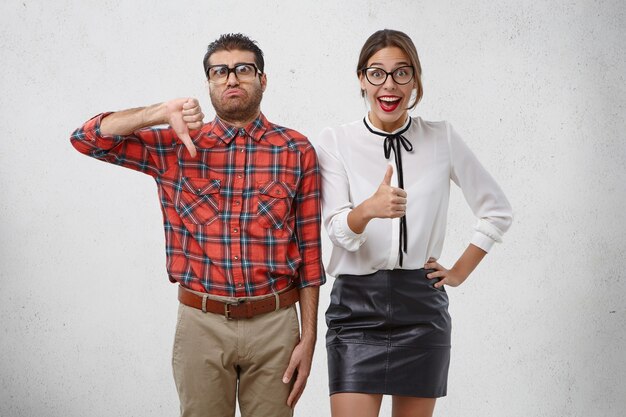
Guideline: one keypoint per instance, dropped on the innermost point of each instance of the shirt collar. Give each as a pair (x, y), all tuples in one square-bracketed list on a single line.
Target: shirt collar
[(219, 129), (371, 125)]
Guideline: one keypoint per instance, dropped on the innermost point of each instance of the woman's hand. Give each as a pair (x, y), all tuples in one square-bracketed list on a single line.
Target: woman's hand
[(387, 202), (461, 269), (448, 277)]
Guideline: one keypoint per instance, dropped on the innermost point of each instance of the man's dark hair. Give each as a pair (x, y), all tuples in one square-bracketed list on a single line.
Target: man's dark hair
[(234, 42)]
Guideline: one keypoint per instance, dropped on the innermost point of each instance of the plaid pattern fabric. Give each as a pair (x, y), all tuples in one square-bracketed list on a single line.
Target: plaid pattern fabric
[(243, 217)]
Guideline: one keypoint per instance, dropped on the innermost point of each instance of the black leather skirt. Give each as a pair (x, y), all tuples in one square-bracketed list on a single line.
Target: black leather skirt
[(388, 333)]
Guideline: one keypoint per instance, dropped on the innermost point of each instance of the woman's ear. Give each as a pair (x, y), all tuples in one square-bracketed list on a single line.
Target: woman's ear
[(362, 82)]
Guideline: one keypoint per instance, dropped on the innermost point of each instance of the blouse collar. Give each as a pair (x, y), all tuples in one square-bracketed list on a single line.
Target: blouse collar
[(371, 125)]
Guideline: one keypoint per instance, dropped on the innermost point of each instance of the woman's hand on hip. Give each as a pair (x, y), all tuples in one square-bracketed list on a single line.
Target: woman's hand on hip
[(448, 277)]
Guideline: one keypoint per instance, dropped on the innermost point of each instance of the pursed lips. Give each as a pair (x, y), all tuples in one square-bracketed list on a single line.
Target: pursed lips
[(234, 92)]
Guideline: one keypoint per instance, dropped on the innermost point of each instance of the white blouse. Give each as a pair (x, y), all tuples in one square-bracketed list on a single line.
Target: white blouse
[(353, 165)]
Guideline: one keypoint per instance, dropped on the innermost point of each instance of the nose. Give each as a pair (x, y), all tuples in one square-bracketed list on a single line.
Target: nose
[(232, 80), (389, 83)]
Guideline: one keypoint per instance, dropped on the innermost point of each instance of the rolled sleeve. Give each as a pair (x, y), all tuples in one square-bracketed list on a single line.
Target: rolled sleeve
[(145, 150), (88, 137), (308, 220), (341, 234), (486, 235)]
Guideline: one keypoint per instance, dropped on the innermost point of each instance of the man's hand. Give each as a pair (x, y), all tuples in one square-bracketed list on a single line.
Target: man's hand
[(300, 365), (184, 114)]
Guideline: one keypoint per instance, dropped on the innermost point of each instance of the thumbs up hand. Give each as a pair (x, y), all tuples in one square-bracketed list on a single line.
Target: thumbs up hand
[(387, 201), (388, 175)]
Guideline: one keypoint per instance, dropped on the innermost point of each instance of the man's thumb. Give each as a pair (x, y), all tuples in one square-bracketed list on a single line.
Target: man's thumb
[(186, 140), (388, 174)]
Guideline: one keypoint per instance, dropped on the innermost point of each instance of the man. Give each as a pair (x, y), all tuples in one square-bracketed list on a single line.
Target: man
[(240, 201)]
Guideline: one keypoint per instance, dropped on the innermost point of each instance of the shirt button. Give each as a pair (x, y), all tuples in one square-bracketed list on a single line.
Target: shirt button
[(242, 149), (237, 202), (235, 230), (236, 258), (198, 189), (239, 176), (278, 192), (240, 285)]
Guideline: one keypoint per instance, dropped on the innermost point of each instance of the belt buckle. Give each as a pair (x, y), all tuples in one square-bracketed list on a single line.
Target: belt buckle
[(227, 306)]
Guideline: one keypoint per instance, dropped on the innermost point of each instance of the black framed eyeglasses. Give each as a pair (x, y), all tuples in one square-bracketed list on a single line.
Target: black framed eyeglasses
[(243, 71), (401, 75)]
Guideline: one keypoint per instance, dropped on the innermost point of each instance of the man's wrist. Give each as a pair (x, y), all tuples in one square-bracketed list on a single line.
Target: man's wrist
[(308, 341), (125, 122), (155, 114)]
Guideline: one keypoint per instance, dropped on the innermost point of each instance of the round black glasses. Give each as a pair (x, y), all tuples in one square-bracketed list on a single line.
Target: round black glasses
[(378, 76)]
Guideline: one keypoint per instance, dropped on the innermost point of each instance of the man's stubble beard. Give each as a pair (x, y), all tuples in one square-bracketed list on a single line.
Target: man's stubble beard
[(237, 111)]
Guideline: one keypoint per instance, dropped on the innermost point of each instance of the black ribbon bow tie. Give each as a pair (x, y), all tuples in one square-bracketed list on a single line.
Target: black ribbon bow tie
[(395, 142)]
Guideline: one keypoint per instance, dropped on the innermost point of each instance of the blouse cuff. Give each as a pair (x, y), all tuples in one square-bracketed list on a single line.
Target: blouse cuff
[(482, 241), (486, 235), (345, 236)]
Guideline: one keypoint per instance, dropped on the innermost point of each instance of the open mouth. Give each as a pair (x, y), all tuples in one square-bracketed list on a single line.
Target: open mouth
[(389, 103)]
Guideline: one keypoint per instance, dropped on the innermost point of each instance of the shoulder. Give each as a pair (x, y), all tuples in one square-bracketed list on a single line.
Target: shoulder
[(430, 126), (430, 131), (330, 136), (283, 136)]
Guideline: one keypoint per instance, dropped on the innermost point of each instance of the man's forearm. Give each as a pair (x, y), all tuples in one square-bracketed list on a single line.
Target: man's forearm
[(126, 122), (309, 297)]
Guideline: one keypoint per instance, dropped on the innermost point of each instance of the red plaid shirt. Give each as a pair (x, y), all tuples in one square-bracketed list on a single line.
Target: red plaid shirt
[(242, 218)]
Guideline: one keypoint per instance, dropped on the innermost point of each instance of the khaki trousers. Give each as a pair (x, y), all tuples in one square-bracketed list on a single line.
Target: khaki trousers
[(215, 360)]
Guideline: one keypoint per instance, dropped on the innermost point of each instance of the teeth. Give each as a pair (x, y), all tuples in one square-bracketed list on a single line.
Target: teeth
[(389, 99)]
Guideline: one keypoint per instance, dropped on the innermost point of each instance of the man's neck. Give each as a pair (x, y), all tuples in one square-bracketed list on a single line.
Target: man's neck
[(240, 123)]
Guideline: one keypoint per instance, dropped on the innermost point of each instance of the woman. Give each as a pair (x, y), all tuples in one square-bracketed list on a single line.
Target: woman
[(386, 181)]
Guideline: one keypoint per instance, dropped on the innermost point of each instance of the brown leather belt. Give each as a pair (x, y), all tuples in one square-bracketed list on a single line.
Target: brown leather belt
[(244, 309)]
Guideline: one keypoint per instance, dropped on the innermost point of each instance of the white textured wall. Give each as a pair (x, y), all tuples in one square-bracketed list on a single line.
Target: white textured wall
[(536, 87)]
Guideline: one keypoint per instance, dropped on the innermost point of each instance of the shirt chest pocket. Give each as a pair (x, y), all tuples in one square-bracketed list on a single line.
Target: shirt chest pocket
[(274, 205), (200, 201)]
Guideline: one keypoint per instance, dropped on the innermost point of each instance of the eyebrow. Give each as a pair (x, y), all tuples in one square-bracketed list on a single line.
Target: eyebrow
[(397, 63), (234, 65)]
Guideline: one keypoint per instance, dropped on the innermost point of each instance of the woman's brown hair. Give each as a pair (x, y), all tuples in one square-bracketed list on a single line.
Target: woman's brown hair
[(385, 38)]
